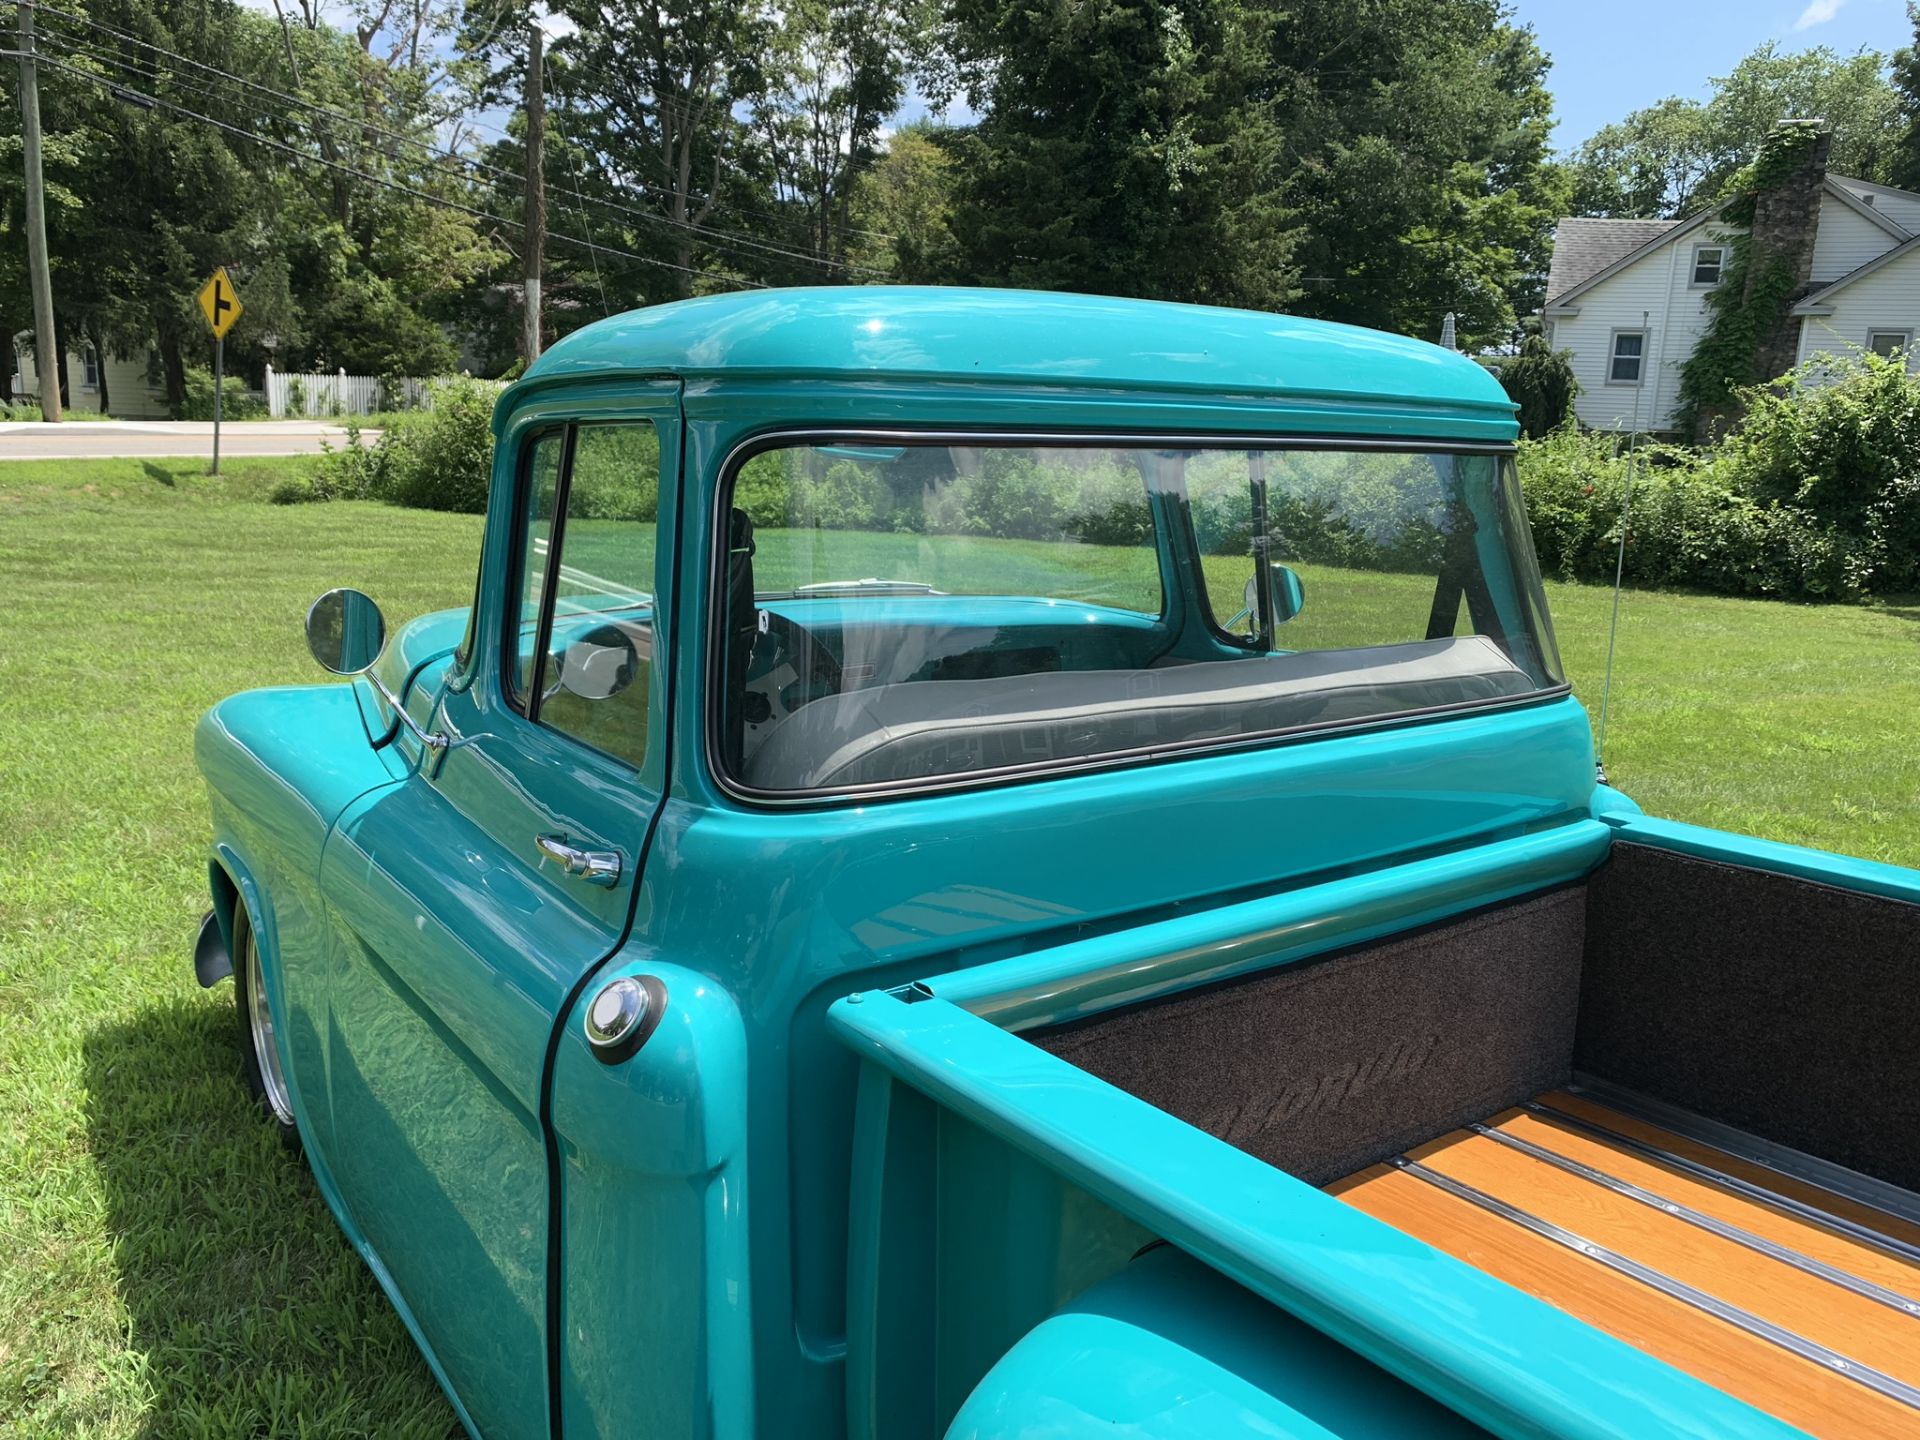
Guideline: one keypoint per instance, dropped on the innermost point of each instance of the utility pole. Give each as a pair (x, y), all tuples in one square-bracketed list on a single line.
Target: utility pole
[(536, 216), (46, 343)]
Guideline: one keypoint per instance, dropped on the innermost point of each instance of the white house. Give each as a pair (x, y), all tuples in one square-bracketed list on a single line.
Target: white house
[(129, 394), (1627, 297)]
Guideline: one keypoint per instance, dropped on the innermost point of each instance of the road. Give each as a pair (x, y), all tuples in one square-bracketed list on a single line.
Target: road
[(109, 439)]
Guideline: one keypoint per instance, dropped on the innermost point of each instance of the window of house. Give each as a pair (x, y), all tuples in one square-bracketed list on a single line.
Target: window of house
[(1886, 342), (583, 642), (1708, 262), (1625, 362), (92, 363)]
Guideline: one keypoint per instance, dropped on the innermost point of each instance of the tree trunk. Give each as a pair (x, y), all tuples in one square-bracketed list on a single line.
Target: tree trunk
[(173, 369), (60, 330), (98, 342)]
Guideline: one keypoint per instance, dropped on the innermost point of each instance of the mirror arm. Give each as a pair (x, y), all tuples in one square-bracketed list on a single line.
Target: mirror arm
[(431, 741)]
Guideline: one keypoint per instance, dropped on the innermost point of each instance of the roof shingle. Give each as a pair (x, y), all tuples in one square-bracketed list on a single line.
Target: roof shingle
[(1583, 247)]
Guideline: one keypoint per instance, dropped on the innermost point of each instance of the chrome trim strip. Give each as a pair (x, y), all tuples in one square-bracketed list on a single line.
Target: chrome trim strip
[(1852, 1229), (714, 659), (1758, 1243), (1783, 1159), (1806, 1349)]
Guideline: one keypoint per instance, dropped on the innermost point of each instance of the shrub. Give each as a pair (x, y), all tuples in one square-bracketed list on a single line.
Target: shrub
[(445, 461), (236, 401), (1693, 522), (1539, 379), (1847, 453)]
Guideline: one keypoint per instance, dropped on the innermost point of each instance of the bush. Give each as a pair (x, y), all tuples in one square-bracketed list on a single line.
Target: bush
[(236, 401), (1846, 453), (441, 461), (1693, 522), (1539, 379)]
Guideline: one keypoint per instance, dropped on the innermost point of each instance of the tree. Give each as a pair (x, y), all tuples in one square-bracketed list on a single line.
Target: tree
[(656, 91), (1674, 157), (178, 150), (1903, 167), (1123, 147), (837, 71), (902, 210), (1539, 379), (1417, 156)]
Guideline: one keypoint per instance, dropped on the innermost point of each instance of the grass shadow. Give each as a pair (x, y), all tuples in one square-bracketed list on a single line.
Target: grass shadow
[(161, 474), (253, 1314)]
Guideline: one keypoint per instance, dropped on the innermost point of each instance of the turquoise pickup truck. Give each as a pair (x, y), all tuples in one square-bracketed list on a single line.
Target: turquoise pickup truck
[(992, 864)]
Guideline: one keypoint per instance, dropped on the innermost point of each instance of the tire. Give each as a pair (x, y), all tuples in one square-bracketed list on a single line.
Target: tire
[(260, 1065)]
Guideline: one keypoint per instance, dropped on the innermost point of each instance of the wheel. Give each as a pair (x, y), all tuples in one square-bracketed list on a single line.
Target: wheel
[(260, 1057)]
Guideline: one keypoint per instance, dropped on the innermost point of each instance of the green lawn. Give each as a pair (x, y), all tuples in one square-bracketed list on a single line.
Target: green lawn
[(164, 1269)]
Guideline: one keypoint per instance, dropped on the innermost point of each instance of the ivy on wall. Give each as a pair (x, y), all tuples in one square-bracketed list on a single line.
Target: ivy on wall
[(1753, 290)]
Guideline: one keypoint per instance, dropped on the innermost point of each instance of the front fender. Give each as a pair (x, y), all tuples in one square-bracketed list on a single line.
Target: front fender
[(1170, 1350), (281, 766)]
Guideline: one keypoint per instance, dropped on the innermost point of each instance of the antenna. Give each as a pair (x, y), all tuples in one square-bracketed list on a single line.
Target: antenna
[(1620, 559)]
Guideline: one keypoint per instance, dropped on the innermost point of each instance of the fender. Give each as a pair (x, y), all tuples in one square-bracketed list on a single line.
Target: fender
[(1172, 1350)]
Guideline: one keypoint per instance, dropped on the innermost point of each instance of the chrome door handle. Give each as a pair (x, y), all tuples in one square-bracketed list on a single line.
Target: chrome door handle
[(596, 867)]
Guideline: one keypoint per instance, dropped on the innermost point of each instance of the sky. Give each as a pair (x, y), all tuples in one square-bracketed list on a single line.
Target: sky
[(1611, 57)]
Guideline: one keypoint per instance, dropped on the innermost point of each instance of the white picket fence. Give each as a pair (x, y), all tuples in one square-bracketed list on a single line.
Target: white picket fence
[(322, 396)]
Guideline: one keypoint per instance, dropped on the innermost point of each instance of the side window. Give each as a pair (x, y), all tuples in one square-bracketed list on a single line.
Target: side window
[(588, 563)]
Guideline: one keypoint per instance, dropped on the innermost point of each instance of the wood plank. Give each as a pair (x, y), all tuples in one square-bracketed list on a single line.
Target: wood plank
[(1815, 1309), (1743, 1365), (1804, 1191), (1830, 1247)]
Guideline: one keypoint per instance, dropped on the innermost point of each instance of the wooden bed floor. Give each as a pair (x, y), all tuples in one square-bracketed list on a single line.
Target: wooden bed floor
[(1803, 1302)]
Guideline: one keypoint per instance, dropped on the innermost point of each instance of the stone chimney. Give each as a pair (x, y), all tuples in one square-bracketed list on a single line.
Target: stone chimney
[(1788, 178)]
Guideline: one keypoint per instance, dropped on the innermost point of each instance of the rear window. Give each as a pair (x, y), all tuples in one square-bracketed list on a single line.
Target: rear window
[(923, 613)]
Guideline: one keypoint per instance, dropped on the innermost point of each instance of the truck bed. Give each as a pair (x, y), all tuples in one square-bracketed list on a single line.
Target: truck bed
[(1800, 1299)]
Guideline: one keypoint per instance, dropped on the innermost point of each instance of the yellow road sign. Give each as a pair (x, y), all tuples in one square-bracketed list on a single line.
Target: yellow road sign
[(220, 303)]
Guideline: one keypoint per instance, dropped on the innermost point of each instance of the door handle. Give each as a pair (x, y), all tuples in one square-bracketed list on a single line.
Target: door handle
[(596, 867)]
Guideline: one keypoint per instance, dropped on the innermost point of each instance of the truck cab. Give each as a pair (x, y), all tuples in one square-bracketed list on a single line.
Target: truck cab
[(991, 863)]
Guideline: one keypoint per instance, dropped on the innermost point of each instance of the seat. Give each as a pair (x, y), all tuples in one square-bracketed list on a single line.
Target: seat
[(917, 729)]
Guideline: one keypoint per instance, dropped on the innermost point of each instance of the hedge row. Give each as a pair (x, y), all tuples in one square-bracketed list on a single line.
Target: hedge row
[(1815, 497)]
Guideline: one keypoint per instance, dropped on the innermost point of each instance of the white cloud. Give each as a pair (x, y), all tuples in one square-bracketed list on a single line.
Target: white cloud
[(1818, 12)]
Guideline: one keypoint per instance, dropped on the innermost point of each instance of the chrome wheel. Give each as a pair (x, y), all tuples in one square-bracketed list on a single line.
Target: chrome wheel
[(273, 1080)]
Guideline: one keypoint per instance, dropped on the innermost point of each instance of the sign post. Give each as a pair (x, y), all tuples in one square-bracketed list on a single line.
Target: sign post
[(220, 303)]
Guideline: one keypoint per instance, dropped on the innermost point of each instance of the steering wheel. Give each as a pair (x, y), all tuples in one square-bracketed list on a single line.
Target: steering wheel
[(785, 644)]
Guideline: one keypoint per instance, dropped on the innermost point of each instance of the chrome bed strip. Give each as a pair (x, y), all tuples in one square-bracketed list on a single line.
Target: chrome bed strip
[(1781, 1159), (1758, 1243), (1806, 1349), (1852, 1229)]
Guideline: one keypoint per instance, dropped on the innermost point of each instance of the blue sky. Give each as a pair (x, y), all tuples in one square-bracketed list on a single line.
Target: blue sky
[(1613, 56)]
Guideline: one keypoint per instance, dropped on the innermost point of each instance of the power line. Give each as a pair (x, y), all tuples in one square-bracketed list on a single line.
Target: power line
[(721, 239), (117, 90), (462, 165), (574, 165)]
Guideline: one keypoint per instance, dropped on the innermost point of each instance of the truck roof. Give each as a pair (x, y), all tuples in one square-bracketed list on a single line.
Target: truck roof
[(1021, 338)]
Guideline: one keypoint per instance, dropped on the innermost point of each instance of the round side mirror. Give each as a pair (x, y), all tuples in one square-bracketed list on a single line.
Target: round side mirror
[(346, 631)]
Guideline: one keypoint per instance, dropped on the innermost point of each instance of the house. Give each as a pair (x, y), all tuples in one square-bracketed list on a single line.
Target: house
[(1627, 298), (130, 394)]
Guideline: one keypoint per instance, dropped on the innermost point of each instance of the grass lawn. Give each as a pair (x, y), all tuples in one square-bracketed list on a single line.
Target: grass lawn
[(164, 1268)]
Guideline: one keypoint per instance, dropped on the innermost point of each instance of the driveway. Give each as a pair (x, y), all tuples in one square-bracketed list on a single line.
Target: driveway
[(110, 439)]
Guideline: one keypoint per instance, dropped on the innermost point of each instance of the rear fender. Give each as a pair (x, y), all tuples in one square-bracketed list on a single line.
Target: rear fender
[(1172, 1350)]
